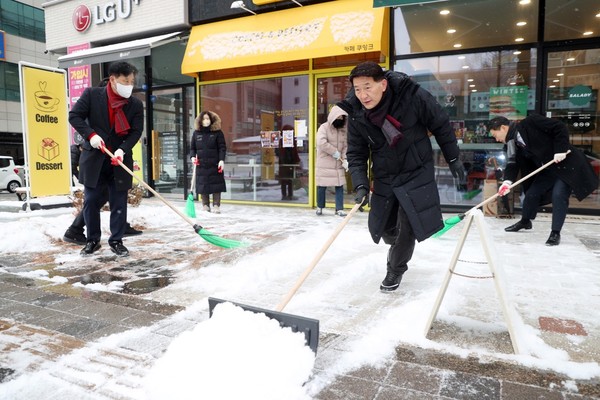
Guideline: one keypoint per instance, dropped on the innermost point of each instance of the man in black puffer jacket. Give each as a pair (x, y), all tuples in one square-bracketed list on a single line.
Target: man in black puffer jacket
[(390, 116)]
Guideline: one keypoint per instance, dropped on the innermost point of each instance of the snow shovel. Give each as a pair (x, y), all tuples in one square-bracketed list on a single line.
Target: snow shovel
[(190, 208), (450, 222), (309, 326), (204, 234)]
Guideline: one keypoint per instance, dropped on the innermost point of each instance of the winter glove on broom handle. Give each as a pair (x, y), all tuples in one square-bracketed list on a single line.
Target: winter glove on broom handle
[(336, 155), (118, 157), (504, 188), (221, 166), (195, 161), (558, 157), (362, 196), (96, 141)]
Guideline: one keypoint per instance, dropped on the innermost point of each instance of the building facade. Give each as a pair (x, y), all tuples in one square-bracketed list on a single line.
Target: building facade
[(22, 38), (272, 70)]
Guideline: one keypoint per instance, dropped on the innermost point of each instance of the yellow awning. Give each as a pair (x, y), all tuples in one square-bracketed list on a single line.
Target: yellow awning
[(322, 30)]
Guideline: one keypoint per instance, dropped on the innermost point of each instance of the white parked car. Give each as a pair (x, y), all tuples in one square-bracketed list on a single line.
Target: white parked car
[(9, 174)]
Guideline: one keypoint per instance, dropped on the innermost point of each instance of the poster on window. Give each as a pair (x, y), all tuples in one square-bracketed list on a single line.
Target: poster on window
[(269, 139), (509, 102), (287, 138)]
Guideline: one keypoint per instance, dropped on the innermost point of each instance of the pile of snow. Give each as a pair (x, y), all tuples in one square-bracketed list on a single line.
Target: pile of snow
[(236, 354)]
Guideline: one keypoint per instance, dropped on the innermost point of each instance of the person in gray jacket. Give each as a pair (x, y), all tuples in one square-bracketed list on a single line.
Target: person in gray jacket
[(389, 118)]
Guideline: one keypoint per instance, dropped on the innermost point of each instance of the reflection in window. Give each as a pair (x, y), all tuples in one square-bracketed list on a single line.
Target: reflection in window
[(575, 19), (460, 24), (265, 122), (472, 89)]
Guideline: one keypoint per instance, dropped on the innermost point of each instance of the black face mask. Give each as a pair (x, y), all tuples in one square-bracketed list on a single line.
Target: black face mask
[(339, 123)]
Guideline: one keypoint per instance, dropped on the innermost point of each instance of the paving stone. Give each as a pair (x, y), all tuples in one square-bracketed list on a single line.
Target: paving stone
[(415, 377), (458, 385), (81, 327), (349, 388), (512, 391)]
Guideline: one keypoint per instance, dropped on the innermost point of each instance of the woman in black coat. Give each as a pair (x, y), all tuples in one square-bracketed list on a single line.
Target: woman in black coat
[(208, 151)]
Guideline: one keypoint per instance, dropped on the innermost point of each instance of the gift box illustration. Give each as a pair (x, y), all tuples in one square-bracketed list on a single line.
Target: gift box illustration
[(48, 149)]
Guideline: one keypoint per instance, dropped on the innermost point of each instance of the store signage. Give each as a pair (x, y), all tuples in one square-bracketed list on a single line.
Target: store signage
[(580, 95), (46, 129), (110, 11), (392, 3)]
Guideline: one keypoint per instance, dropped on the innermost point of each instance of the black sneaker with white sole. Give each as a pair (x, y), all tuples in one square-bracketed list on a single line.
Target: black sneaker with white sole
[(390, 282), (72, 236), (90, 248), (117, 247)]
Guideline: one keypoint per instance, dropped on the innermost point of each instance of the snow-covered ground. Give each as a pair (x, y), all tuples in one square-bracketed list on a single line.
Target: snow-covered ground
[(342, 292)]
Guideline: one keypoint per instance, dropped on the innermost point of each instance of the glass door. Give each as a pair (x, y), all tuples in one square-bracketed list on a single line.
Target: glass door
[(572, 85), (173, 122)]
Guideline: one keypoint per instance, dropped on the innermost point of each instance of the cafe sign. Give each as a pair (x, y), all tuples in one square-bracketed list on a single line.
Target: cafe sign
[(580, 95)]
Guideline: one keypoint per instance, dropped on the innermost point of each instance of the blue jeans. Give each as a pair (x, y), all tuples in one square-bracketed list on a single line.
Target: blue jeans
[(534, 195), (339, 197)]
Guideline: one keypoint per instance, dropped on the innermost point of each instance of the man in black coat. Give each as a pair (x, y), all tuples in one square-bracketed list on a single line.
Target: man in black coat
[(108, 117), (390, 116), (531, 143)]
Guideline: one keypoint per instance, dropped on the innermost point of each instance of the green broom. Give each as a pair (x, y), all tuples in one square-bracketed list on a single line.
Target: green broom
[(204, 234), (190, 207), (450, 222)]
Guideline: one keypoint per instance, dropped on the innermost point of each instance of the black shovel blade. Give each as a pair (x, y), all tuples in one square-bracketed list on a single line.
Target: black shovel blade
[(308, 326)]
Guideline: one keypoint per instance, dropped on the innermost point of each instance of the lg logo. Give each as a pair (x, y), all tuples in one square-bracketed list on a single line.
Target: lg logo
[(82, 18), (108, 12)]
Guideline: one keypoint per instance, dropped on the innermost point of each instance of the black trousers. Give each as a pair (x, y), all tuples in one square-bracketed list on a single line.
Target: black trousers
[(536, 194), (95, 199), (402, 240), (78, 224)]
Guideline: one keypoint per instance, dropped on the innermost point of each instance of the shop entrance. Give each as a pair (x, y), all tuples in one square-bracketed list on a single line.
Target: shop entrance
[(573, 83), (173, 122), (329, 90)]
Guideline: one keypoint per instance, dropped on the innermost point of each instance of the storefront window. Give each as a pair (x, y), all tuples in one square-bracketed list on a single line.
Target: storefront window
[(164, 70), (575, 19), (472, 89), (265, 122), (573, 82), (464, 24)]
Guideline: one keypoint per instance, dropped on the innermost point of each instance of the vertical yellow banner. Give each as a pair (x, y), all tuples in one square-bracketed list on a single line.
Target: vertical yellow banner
[(46, 129)]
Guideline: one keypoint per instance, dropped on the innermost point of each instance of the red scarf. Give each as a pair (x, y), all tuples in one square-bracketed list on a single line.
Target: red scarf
[(115, 108)]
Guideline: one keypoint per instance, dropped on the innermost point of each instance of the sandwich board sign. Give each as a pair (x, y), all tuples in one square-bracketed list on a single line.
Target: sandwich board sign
[(44, 108)]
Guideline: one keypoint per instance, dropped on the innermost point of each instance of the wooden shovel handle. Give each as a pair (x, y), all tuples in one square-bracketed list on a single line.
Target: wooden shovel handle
[(316, 259)]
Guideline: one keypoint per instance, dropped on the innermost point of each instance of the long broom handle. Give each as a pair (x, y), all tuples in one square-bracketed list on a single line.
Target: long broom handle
[(489, 199), (316, 259), (193, 185), (154, 192)]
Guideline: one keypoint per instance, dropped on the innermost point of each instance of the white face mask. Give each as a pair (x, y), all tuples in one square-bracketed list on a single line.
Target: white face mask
[(124, 90), (206, 123)]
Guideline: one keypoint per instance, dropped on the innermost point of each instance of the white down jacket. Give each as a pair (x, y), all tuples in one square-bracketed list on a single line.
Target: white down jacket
[(329, 140)]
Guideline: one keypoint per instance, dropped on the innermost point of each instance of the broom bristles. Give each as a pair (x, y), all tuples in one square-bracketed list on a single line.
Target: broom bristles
[(190, 207)]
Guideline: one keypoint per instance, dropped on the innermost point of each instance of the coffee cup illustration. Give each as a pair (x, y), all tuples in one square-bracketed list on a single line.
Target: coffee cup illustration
[(45, 100)]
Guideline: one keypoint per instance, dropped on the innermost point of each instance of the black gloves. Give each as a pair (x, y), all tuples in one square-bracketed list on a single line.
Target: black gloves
[(457, 169), (362, 196)]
